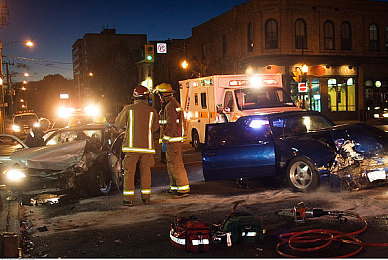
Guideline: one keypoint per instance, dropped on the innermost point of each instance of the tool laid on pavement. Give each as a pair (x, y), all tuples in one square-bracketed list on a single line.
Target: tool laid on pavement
[(196, 237), (300, 213), (190, 234), (293, 244), (237, 228)]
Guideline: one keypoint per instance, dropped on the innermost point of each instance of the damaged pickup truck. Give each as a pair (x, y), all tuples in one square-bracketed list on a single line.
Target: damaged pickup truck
[(74, 159), (302, 147)]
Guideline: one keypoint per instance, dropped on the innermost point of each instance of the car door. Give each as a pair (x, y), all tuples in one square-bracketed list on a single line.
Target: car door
[(238, 150)]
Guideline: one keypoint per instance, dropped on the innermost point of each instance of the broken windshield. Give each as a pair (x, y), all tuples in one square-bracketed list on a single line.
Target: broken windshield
[(252, 98)]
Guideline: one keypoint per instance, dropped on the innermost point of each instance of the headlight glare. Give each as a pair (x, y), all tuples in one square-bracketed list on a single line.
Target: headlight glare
[(15, 175), (15, 128)]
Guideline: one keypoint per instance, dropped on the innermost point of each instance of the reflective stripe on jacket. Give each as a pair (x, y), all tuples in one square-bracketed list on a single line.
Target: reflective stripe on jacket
[(172, 122), (141, 121)]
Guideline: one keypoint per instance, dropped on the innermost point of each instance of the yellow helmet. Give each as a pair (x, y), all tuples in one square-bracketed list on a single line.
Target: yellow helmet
[(163, 88), (99, 119)]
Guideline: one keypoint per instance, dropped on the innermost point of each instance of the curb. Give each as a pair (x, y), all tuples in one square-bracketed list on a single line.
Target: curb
[(10, 239)]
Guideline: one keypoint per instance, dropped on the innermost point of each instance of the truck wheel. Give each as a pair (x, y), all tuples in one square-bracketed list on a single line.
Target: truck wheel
[(98, 182), (195, 140), (302, 175)]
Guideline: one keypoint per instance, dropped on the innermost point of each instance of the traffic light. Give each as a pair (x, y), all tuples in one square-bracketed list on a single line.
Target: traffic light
[(296, 75), (149, 53)]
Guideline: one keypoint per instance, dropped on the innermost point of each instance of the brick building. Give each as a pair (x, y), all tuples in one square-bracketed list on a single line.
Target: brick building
[(104, 67), (343, 43)]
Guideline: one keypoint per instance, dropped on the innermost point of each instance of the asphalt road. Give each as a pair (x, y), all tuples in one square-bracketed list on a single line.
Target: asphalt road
[(102, 227)]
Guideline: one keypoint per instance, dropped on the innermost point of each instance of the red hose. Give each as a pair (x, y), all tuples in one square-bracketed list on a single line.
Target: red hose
[(325, 236)]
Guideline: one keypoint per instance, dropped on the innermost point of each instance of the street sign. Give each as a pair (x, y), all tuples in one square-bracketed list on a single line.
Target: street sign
[(161, 48), (302, 88)]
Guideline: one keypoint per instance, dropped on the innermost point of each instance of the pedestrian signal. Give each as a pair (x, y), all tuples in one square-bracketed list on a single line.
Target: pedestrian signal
[(149, 53)]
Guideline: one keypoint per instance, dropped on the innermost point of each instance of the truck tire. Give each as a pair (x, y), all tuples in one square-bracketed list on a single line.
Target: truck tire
[(302, 175), (195, 140)]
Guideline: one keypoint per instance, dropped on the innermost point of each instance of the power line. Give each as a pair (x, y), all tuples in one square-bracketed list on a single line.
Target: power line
[(38, 60)]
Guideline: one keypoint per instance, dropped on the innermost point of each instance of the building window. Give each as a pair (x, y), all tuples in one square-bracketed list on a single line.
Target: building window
[(346, 36), (228, 101), (329, 35), (300, 34), (271, 34), (203, 100), (223, 45), (373, 37), (386, 38), (250, 37), (342, 96)]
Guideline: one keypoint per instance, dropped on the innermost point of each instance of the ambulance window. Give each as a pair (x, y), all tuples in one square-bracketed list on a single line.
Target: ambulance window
[(203, 100), (196, 99), (228, 101)]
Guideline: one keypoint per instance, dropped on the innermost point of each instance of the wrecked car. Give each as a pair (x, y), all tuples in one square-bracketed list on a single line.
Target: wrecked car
[(302, 147), (74, 158)]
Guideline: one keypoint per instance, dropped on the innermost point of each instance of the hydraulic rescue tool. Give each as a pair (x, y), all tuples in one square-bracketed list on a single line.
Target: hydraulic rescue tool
[(312, 241), (300, 213)]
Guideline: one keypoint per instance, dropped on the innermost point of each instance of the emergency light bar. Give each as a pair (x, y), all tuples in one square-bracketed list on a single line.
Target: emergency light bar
[(269, 82), (238, 83)]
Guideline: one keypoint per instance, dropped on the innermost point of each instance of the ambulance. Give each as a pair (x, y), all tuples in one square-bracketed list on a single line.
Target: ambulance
[(225, 98)]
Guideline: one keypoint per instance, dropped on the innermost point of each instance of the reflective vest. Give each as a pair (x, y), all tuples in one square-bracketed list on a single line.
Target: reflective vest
[(172, 122), (141, 121)]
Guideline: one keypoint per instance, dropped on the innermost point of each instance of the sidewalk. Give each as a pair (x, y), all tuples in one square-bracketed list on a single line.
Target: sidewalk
[(9, 224)]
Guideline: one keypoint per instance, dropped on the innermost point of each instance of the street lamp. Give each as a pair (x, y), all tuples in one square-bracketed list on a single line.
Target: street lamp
[(305, 69), (27, 43), (9, 84), (2, 99), (185, 64)]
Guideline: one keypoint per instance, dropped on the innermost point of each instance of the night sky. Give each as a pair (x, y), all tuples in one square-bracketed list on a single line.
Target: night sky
[(54, 25)]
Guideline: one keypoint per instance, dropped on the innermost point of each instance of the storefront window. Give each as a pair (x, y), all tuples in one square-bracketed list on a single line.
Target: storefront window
[(332, 86), (351, 99), (316, 95), (342, 96)]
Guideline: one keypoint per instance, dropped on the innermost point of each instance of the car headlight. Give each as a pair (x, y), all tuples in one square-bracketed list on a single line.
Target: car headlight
[(15, 128), (385, 115), (15, 175), (92, 110)]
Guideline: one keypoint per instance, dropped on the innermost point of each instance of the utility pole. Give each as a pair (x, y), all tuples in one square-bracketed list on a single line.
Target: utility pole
[(3, 22), (10, 90), (2, 104)]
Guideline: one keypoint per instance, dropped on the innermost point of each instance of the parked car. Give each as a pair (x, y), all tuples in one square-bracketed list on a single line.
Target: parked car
[(303, 147), (8, 145), (74, 158), (381, 113), (22, 122)]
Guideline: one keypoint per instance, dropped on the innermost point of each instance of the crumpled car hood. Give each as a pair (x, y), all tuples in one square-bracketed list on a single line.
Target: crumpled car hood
[(55, 157)]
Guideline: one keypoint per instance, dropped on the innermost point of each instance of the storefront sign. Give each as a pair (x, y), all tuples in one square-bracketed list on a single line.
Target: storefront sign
[(302, 88)]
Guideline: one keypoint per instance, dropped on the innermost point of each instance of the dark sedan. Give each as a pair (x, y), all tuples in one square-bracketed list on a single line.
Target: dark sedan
[(303, 147)]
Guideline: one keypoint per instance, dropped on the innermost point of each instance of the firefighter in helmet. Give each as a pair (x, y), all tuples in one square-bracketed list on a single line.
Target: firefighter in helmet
[(35, 136), (141, 121), (172, 133)]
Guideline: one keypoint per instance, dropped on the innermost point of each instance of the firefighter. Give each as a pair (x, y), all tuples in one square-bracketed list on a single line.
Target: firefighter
[(172, 134), (141, 121), (35, 136)]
